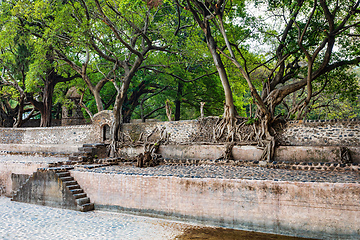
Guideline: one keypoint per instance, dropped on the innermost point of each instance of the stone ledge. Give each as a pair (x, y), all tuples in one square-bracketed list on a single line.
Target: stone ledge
[(38, 148), (349, 167)]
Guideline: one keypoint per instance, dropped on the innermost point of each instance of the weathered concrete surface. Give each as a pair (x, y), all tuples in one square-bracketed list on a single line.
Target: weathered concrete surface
[(51, 135), (314, 153), (7, 168), (45, 188), (248, 153), (41, 148), (317, 210)]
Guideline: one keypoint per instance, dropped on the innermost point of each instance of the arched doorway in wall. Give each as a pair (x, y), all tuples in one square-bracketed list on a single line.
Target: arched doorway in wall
[(105, 132)]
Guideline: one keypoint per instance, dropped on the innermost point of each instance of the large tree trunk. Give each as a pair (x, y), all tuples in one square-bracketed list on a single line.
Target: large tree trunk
[(117, 111), (19, 119), (178, 102), (99, 103), (47, 103), (7, 119), (229, 101)]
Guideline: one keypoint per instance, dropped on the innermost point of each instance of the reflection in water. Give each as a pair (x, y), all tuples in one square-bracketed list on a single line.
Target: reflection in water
[(229, 234)]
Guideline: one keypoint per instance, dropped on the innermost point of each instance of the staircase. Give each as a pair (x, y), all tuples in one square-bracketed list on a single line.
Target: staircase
[(82, 200), (54, 187), (87, 153)]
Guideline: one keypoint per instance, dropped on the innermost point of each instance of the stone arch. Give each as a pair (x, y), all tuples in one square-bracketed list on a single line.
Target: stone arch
[(105, 132), (103, 120)]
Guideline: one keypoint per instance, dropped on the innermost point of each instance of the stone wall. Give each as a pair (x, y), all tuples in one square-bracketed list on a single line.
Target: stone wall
[(308, 209), (321, 133), (52, 135), (180, 131), (9, 167), (290, 154), (294, 133)]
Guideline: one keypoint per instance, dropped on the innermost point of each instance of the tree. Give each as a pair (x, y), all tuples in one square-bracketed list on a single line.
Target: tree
[(203, 16), (34, 19), (130, 38), (297, 41), (14, 62)]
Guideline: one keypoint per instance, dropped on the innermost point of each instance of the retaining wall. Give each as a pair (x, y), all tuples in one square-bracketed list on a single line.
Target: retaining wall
[(51, 135), (293, 133), (9, 167), (321, 133), (316, 210), (292, 154), (180, 131), (316, 140)]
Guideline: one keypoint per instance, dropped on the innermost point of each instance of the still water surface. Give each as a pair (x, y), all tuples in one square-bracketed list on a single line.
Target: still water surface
[(28, 221)]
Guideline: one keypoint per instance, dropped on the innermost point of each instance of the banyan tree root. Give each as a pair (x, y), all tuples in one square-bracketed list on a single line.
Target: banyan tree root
[(265, 141), (225, 123), (227, 155), (149, 158), (345, 155), (268, 147), (237, 130), (163, 134)]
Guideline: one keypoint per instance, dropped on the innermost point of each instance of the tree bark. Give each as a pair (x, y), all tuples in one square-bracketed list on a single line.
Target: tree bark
[(178, 101), (229, 101), (47, 103)]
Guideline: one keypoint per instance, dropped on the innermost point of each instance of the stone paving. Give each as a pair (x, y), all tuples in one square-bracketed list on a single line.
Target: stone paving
[(232, 172), (28, 221)]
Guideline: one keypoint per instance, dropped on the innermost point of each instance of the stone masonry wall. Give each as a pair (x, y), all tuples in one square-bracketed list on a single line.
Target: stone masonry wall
[(181, 131), (52, 135), (321, 133), (295, 133)]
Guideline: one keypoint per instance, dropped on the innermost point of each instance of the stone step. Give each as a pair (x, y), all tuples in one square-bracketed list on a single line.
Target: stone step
[(79, 159), (80, 154), (80, 195), (73, 158), (65, 179), (86, 207), (63, 174), (93, 144), (87, 149), (76, 154), (71, 187), (60, 169), (68, 162), (69, 183), (76, 191), (82, 201)]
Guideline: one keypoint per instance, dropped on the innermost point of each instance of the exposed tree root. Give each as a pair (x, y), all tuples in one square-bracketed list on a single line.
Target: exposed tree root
[(232, 130), (225, 123), (268, 147), (150, 158), (345, 155), (228, 151)]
